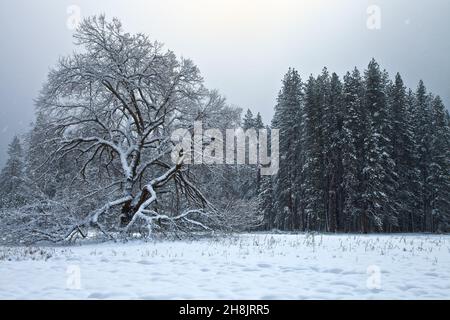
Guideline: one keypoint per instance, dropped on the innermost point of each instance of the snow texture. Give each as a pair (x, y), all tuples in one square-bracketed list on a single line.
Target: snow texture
[(252, 266)]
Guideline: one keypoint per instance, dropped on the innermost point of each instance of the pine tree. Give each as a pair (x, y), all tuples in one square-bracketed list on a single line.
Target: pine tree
[(332, 131), (313, 169), (439, 168), (250, 175), (12, 178), (39, 170), (423, 136), (258, 122), (266, 202), (266, 196), (378, 172), (248, 121), (353, 136), (258, 125), (403, 151), (287, 114), (247, 172)]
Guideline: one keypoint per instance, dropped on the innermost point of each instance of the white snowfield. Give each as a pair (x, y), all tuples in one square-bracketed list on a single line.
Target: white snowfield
[(255, 266)]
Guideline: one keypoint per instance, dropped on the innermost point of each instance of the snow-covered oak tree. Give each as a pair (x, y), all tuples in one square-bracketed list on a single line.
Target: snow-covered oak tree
[(112, 107)]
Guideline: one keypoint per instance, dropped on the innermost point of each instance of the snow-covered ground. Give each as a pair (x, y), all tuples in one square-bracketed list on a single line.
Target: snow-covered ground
[(257, 266)]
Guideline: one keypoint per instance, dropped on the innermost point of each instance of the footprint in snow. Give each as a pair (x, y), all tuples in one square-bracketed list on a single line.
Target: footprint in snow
[(431, 274), (333, 270), (343, 283), (144, 262), (124, 260), (101, 296)]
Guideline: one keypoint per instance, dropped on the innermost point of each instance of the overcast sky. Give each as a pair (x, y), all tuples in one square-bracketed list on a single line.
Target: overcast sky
[(243, 47)]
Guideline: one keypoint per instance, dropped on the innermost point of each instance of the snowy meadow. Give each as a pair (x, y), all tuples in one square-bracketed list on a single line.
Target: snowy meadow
[(131, 148), (248, 266)]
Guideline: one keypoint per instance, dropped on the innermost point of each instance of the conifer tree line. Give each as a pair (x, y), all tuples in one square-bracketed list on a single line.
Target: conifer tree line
[(359, 154)]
